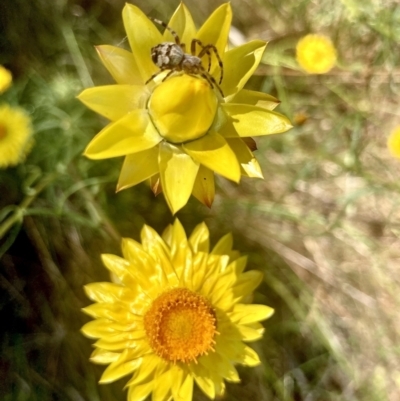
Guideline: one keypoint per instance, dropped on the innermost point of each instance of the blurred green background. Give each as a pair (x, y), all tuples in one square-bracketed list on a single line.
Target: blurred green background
[(323, 226)]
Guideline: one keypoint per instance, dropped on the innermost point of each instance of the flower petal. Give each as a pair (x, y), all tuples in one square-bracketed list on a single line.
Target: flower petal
[(133, 133), (103, 357), (249, 164), (140, 391), (246, 120), (178, 172), (204, 186), (247, 282), (239, 65), (155, 184), (186, 389), (182, 23), (255, 98), (142, 36), (138, 167), (224, 245), (213, 151), (200, 238), (203, 380), (115, 101), (245, 314), (121, 64), (218, 363), (124, 365), (215, 31)]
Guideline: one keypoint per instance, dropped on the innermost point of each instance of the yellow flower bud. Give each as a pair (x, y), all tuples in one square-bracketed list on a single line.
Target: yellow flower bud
[(183, 108)]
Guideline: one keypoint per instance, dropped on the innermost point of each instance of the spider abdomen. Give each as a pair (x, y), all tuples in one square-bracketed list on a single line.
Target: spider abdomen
[(167, 55)]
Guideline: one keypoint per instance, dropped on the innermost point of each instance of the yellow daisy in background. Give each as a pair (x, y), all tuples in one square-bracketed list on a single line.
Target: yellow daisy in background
[(15, 135), (393, 142), (5, 79), (179, 112), (316, 54), (176, 313)]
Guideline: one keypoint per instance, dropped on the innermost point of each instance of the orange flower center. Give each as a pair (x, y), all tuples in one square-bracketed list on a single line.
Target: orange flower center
[(3, 131), (181, 325)]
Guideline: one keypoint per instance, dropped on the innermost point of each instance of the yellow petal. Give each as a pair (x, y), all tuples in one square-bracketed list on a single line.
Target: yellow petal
[(162, 386), (255, 98), (200, 238), (177, 375), (120, 64), (224, 245), (186, 389), (249, 334), (182, 23), (181, 253), (250, 357), (121, 341), (115, 101), (204, 186), (237, 352), (218, 363), (140, 391), (215, 31), (120, 267), (123, 366), (213, 151), (178, 172), (150, 364), (142, 36), (393, 142), (240, 264), (245, 314), (249, 164), (154, 245), (102, 327), (130, 134), (239, 65), (107, 292), (138, 167), (203, 380), (103, 357), (252, 121), (247, 283)]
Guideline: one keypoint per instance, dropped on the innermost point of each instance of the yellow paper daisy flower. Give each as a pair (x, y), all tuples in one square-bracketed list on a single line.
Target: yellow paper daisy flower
[(172, 117), (316, 54), (15, 135), (5, 79), (393, 142), (176, 313)]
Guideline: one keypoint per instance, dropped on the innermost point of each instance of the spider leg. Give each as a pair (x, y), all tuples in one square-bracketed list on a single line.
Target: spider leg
[(206, 49), (154, 75), (193, 51), (171, 72), (173, 33), (210, 79)]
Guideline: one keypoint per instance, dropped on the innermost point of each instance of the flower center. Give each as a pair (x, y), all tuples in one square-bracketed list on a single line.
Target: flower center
[(183, 108), (181, 325), (3, 131)]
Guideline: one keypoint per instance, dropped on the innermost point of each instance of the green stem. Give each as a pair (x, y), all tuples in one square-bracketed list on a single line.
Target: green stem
[(20, 211)]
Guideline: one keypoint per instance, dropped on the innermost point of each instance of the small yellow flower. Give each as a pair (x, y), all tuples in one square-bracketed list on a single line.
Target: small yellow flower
[(316, 54), (176, 313), (175, 127), (393, 142), (5, 79), (15, 135)]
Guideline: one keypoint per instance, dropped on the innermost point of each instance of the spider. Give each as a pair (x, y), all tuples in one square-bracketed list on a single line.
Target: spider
[(171, 56)]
